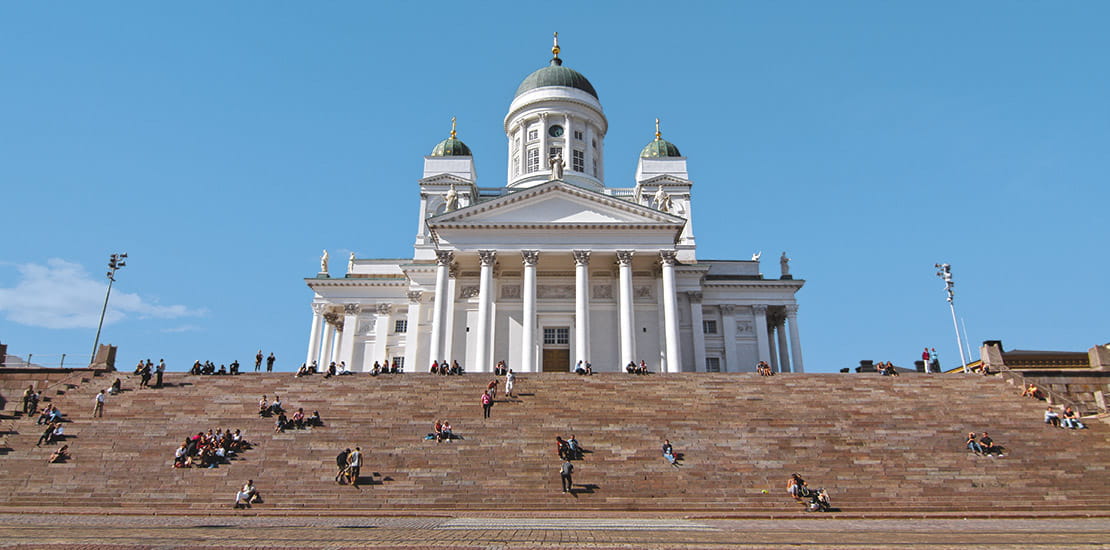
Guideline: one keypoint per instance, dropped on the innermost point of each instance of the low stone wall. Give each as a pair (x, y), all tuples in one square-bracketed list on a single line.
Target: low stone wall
[(1087, 387)]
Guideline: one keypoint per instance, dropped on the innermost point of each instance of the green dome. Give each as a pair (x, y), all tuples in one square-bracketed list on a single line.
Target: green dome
[(451, 147), (660, 147), (556, 75)]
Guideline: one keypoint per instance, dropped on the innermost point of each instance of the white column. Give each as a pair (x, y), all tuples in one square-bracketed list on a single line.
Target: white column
[(697, 329), (381, 334), (544, 155), (581, 305), (774, 351), (350, 326), (728, 319), (314, 336), (449, 314), (628, 350), (670, 312), (333, 350), (568, 143), (795, 340), (443, 263), (412, 334), (329, 336), (485, 288), (761, 340), (784, 351), (528, 344)]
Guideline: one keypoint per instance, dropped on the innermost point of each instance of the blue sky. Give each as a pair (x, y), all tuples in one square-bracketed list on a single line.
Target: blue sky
[(223, 145)]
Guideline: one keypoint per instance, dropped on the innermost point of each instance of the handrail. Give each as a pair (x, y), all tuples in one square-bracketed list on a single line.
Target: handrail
[(15, 361), (1054, 397)]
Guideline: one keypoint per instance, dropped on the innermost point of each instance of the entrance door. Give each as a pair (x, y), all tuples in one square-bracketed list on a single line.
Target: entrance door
[(556, 360), (556, 349)]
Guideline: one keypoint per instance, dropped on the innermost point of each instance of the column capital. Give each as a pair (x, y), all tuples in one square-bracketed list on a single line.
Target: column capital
[(792, 310), (581, 257), (530, 257), (487, 257), (453, 271), (319, 308), (668, 256), (695, 296), (728, 309), (385, 309), (760, 309), (351, 309), (624, 257), (444, 257), (414, 296)]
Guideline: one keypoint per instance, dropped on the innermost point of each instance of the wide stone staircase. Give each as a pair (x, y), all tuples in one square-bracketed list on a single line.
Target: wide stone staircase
[(878, 444)]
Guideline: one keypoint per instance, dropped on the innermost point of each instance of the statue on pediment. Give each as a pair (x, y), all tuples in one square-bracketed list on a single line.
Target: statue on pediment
[(557, 166), (324, 262), (662, 200), (451, 200)]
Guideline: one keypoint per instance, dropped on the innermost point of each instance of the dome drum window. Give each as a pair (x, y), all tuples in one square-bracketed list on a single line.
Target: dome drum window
[(555, 131)]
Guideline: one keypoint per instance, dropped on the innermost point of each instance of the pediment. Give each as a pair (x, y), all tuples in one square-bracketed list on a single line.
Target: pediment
[(555, 203), (445, 179), (665, 178)]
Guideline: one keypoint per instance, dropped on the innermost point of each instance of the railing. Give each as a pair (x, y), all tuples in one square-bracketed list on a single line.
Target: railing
[(46, 360), (1053, 397)]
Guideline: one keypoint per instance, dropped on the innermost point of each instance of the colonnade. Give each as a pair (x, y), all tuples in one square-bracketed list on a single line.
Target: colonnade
[(530, 260), (332, 334)]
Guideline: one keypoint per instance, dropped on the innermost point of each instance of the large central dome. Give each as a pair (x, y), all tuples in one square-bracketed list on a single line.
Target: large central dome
[(556, 75)]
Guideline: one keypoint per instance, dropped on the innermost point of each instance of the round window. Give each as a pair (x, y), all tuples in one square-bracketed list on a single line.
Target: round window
[(555, 131)]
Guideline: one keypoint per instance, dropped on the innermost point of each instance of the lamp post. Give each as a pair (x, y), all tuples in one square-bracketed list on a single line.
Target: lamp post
[(115, 262), (944, 271)]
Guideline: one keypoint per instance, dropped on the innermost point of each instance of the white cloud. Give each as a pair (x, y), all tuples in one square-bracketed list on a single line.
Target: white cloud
[(182, 328), (61, 294)]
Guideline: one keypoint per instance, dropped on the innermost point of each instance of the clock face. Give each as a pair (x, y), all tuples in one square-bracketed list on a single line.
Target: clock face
[(555, 131)]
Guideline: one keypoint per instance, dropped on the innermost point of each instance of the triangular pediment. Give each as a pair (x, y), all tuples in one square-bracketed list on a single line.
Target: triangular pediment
[(664, 178), (556, 203), (445, 179)]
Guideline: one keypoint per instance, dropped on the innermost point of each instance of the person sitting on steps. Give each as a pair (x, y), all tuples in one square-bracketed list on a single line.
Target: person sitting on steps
[(247, 495), (59, 455), (973, 445)]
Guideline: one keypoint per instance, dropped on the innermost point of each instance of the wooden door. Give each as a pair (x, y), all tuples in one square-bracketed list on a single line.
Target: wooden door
[(556, 360)]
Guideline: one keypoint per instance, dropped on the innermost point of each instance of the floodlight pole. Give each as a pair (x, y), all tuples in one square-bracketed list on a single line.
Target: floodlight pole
[(945, 272), (115, 262)]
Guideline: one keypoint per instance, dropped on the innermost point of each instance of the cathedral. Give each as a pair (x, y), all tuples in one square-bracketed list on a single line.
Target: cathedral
[(556, 268)]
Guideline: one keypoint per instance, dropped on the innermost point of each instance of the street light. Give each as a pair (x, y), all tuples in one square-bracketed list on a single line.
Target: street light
[(944, 271), (115, 262)]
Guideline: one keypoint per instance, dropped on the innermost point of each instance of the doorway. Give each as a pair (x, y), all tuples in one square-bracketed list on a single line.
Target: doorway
[(556, 349)]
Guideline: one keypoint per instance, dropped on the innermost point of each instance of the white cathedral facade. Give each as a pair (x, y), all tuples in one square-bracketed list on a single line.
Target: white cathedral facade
[(555, 267)]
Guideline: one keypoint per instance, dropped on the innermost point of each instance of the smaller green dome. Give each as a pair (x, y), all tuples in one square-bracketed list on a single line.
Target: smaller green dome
[(451, 147), (660, 147)]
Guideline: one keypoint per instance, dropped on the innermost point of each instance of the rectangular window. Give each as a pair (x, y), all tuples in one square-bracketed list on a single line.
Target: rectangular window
[(595, 166), (712, 364), (579, 163), (533, 135), (401, 325), (709, 326), (516, 165), (554, 152), (556, 336), (578, 135), (533, 160)]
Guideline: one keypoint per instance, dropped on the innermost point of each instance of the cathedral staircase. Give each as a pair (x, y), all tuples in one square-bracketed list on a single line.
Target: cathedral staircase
[(880, 445)]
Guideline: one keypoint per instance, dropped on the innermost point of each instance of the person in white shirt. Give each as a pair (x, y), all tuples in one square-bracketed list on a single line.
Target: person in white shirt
[(98, 409)]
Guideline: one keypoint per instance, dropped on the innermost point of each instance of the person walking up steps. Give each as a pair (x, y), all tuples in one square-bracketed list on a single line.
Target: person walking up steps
[(258, 361), (270, 362), (98, 408), (354, 466)]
